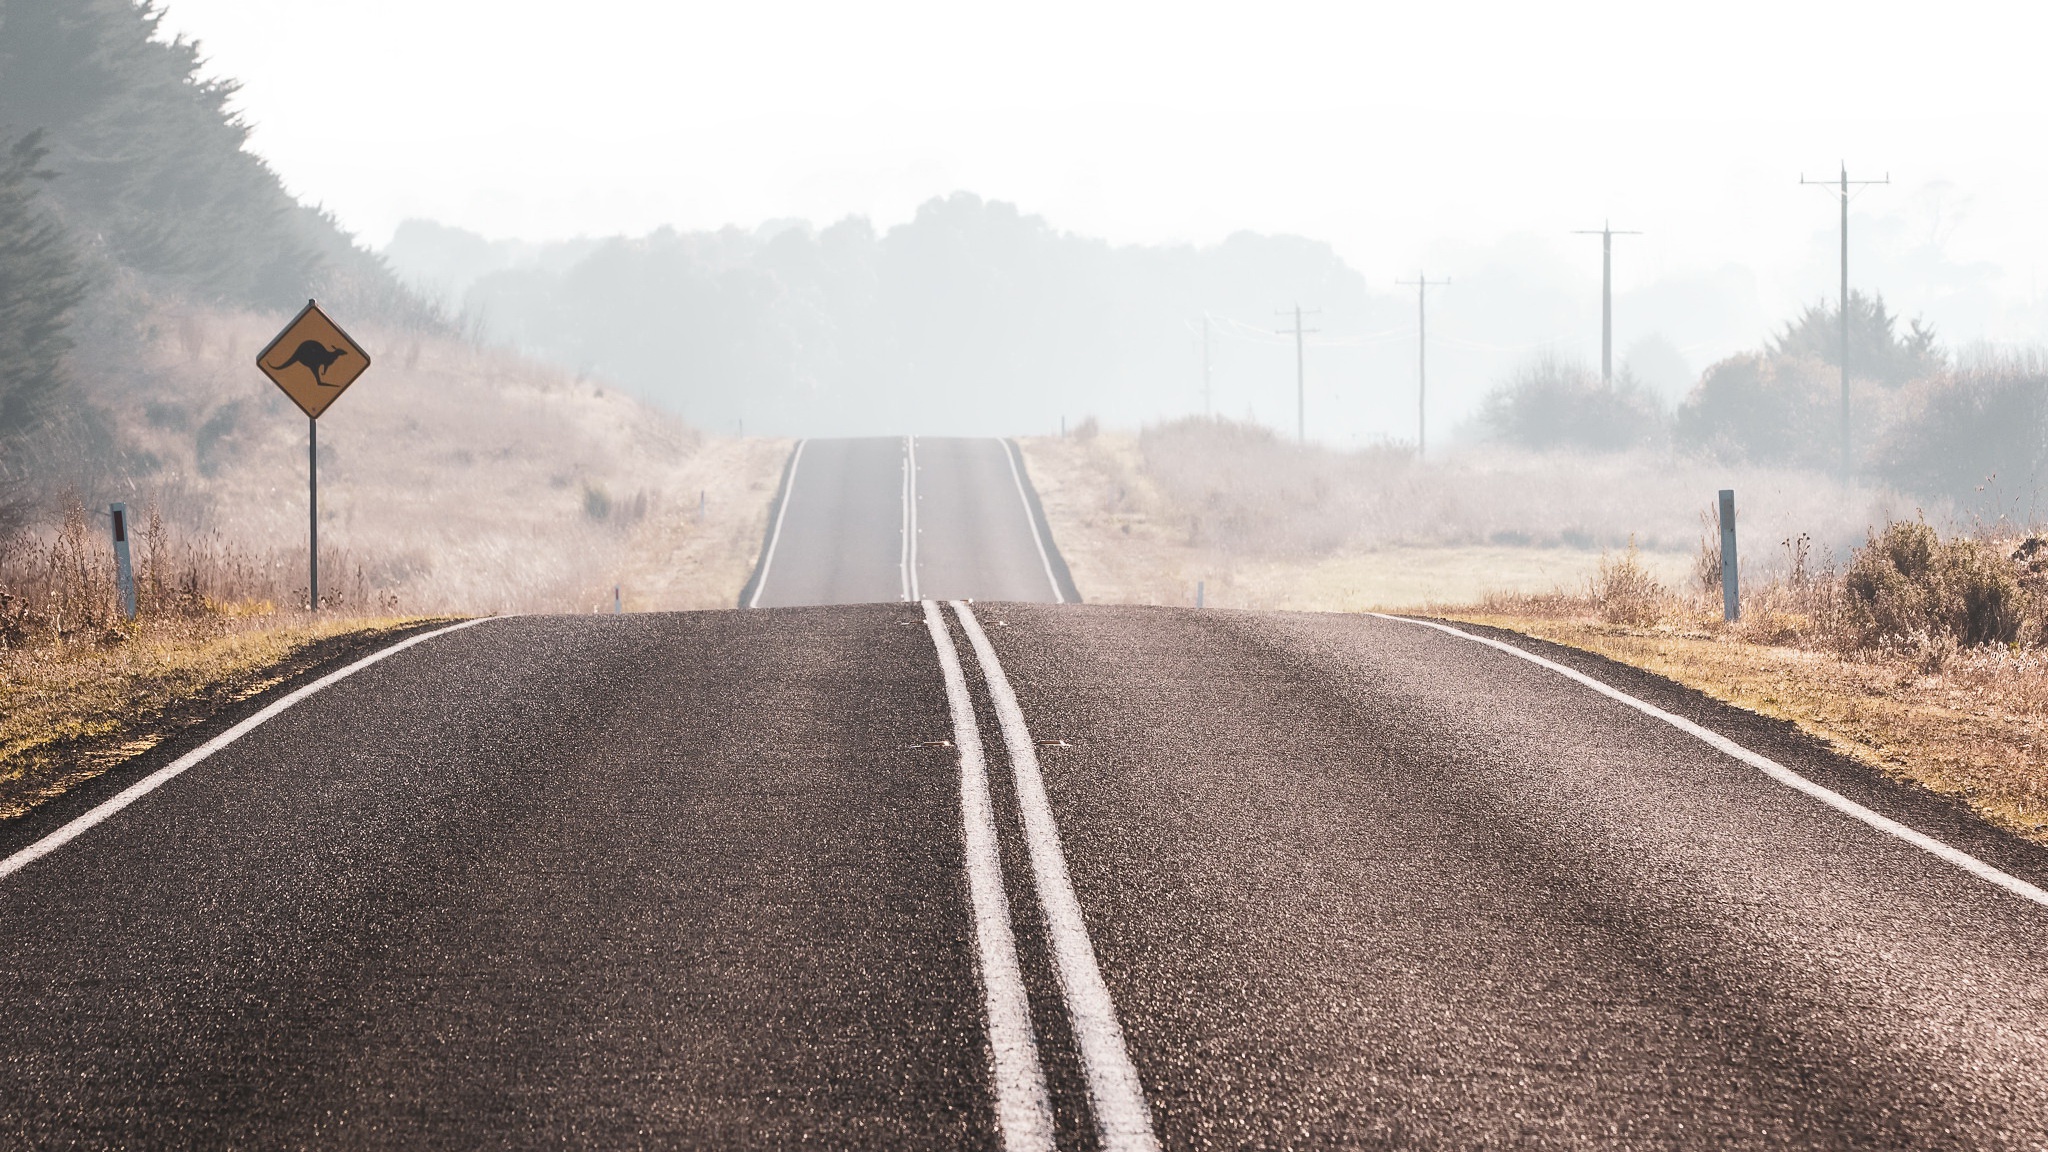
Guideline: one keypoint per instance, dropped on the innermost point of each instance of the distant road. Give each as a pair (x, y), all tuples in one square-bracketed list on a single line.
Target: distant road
[(904, 518)]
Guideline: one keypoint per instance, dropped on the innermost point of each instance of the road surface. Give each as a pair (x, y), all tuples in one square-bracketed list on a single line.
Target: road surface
[(904, 518), (912, 875)]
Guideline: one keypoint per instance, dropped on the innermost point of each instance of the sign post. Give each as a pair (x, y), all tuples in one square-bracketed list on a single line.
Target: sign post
[(1731, 572), (313, 361), (124, 567)]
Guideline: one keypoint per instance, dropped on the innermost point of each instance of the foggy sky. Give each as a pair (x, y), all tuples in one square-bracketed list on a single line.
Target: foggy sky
[(1466, 139)]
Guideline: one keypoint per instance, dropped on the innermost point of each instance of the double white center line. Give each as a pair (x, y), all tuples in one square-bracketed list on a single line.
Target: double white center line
[(1023, 1109)]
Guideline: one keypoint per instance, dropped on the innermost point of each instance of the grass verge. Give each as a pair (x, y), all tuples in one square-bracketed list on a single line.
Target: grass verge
[(73, 712), (1974, 730)]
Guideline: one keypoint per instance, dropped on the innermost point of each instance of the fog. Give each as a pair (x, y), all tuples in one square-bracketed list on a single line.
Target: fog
[(1465, 141), (974, 317)]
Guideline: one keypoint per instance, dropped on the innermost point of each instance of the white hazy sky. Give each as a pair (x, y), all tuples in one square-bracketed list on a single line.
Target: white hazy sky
[(1404, 134)]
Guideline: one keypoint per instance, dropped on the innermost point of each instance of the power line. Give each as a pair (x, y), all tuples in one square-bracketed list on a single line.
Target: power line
[(1843, 192), (1300, 375), (1606, 235), (1422, 286)]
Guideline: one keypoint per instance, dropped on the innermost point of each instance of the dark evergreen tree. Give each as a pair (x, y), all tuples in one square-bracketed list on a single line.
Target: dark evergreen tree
[(39, 286), (155, 177), (1877, 351)]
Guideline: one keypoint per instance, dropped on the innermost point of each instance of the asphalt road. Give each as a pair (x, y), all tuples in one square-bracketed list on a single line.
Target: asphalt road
[(1025, 876), (903, 518)]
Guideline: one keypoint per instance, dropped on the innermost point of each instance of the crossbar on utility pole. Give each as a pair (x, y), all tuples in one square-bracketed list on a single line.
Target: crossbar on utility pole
[(1841, 187), (1422, 285), (1606, 235), (1300, 374)]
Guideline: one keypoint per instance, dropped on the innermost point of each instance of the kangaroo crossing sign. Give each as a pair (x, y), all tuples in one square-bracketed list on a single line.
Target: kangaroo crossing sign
[(313, 361)]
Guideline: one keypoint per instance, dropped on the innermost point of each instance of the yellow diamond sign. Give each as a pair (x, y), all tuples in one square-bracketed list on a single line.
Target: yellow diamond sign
[(313, 360)]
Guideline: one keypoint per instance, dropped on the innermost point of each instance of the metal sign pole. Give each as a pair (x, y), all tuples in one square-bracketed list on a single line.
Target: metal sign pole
[(313, 361), (1731, 571), (313, 513), (124, 569)]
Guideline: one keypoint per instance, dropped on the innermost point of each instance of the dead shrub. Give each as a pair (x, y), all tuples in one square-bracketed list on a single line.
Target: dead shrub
[(1906, 582), (1626, 592)]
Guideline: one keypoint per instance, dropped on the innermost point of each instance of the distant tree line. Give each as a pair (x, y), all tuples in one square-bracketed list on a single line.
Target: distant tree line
[(1974, 432), (972, 315)]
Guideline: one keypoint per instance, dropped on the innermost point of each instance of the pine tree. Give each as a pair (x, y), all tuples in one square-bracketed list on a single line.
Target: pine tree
[(39, 285), (155, 175)]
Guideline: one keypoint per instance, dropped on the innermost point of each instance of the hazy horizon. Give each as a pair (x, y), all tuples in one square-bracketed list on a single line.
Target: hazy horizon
[(1407, 138)]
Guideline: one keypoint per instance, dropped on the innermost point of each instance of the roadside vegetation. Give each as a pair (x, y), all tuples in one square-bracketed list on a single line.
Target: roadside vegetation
[(83, 689), (1259, 522)]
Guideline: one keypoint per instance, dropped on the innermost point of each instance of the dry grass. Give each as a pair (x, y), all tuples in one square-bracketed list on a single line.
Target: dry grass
[(1138, 524)]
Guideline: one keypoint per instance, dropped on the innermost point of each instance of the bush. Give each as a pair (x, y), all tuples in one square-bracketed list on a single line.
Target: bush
[(1764, 409), (1626, 592), (1905, 583), (1973, 435), (1553, 403)]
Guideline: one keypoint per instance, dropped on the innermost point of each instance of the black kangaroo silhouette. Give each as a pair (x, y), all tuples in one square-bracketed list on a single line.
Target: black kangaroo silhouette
[(315, 356)]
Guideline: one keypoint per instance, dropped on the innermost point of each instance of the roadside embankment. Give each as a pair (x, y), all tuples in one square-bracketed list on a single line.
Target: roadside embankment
[(73, 711), (1975, 728)]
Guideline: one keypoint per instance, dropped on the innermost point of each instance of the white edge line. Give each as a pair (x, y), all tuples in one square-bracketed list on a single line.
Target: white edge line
[(1023, 1107), (911, 441), (1121, 1114), (904, 529), (775, 534), (150, 783), (1767, 766), (1016, 474)]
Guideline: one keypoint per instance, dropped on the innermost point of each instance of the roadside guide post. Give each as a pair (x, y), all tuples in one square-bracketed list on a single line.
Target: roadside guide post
[(1731, 602), (313, 362), (124, 570)]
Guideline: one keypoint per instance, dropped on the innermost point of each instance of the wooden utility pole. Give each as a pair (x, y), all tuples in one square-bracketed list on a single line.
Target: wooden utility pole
[(1606, 235), (1422, 284), (1841, 188), (1300, 375)]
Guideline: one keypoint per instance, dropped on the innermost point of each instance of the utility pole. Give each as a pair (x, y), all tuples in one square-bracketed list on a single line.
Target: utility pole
[(1300, 375), (1606, 235), (1842, 190), (1422, 284)]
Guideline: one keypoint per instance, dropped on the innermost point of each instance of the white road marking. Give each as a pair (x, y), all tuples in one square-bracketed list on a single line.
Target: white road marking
[(1031, 522), (1023, 1108), (158, 778), (1121, 1114), (775, 534), (1767, 766), (907, 555)]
